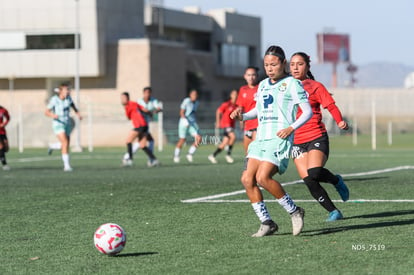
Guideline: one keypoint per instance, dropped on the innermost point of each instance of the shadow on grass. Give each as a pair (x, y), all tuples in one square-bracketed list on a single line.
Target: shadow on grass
[(138, 254), (363, 179), (356, 227), (382, 214)]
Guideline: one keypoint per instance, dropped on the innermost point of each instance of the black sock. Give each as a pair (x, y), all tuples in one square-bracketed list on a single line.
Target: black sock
[(218, 150), (229, 150), (3, 157), (322, 174), (319, 193), (129, 150), (149, 153)]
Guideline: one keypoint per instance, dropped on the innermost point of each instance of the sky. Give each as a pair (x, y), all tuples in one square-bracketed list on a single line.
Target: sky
[(380, 31)]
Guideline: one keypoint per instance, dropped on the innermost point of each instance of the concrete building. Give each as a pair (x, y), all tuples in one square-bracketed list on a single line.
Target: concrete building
[(123, 45)]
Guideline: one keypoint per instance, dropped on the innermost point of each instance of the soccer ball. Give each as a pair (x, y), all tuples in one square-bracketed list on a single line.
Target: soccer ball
[(109, 239)]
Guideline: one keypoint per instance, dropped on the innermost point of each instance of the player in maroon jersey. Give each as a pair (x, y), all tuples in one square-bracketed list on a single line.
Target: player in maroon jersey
[(226, 126), (311, 142), (4, 143)]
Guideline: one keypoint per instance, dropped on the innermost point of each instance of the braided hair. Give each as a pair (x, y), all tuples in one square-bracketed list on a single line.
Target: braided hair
[(307, 60)]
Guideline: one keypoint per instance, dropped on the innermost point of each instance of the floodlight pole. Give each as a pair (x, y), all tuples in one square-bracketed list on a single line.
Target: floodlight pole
[(77, 146)]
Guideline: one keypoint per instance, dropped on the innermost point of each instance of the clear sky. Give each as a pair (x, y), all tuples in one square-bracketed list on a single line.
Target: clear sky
[(380, 31)]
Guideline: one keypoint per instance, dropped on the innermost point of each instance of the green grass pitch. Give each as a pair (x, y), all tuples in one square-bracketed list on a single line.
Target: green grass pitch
[(48, 217)]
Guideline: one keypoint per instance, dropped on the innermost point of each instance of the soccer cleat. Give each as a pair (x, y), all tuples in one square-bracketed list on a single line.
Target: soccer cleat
[(229, 159), (126, 163), (68, 169), (297, 221), (6, 168), (153, 163), (176, 159), (342, 188), (266, 228), (212, 159), (189, 157), (334, 216)]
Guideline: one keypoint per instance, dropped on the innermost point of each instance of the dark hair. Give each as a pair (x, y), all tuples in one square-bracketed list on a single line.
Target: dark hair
[(276, 51), (253, 68), (126, 94), (147, 88), (307, 61)]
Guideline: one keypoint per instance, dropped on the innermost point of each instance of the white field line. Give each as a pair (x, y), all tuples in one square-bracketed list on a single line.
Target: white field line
[(350, 201), (213, 197)]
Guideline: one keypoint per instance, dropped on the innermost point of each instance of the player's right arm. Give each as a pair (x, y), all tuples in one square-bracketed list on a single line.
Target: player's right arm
[(49, 108)]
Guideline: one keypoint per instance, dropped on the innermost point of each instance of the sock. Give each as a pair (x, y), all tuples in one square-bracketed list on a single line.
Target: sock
[(149, 153), (151, 145), (322, 174), (287, 203), (192, 150), (319, 194), (129, 150), (230, 147), (3, 157), (261, 211), (177, 152), (135, 147), (55, 146), (218, 150), (65, 158)]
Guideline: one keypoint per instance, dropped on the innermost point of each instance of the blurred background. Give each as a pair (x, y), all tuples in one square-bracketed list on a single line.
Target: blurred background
[(360, 50)]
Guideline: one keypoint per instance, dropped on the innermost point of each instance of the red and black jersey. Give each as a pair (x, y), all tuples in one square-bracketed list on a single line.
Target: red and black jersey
[(226, 108), (133, 112), (318, 96), (246, 99), (4, 118)]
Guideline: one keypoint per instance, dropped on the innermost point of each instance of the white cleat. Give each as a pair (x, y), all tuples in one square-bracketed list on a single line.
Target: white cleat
[(189, 158), (229, 159), (126, 163), (176, 159), (6, 168), (212, 159), (68, 169), (297, 221), (153, 163), (266, 229)]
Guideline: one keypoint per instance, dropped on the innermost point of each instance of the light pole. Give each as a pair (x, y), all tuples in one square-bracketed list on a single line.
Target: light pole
[(77, 147)]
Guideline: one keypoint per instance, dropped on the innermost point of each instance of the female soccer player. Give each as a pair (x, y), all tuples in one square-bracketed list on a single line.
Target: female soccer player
[(133, 112), (4, 143), (188, 124), (277, 100), (311, 143), (59, 109), (247, 101), (226, 125)]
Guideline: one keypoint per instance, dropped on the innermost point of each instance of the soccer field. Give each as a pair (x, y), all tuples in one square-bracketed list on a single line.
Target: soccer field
[(193, 218)]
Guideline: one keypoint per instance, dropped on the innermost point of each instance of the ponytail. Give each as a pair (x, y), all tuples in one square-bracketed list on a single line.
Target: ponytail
[(307, 60)]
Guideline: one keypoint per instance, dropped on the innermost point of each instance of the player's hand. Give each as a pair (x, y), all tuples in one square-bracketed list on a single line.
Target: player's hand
[(285, 133), (343, 125), (55, 116), (80, 117), (237, 114)]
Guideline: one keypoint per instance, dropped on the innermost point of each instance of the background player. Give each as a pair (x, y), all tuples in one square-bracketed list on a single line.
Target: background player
[(133, 112), (153, 106), (277, 100), (311, 149), (59, 109), (226, 125), (188, 124), (246, 101), (4, 143)]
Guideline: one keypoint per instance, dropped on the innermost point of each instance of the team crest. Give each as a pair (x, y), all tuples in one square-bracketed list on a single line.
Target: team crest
[(283, 87)]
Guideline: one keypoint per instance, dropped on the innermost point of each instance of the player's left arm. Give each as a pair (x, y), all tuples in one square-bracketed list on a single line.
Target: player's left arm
[(327, 101), (76, 110), (300, 121), (6, 121)]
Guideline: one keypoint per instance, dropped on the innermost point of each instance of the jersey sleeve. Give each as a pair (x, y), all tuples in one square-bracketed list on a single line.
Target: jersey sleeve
[(222, 107), (52, 103), (184, 104), (298, 93), (324, 97)]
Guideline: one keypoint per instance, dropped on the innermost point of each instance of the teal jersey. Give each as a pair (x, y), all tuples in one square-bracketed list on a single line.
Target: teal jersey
[(152, 105), (190, 109), (277, 105), (61, 108)]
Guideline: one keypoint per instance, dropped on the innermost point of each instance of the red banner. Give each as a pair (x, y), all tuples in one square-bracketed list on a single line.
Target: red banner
[(334, 48)]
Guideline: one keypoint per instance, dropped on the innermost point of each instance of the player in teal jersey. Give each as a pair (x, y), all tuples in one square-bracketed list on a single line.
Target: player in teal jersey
[(188, 124), (278, 98), (59, 109)]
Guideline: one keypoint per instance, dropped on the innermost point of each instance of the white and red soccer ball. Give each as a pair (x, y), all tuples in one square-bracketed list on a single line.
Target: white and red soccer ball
[(109, 238)]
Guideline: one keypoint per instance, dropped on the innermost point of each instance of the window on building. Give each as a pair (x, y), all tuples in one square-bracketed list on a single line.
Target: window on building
[(233, 58), (50, 41)]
